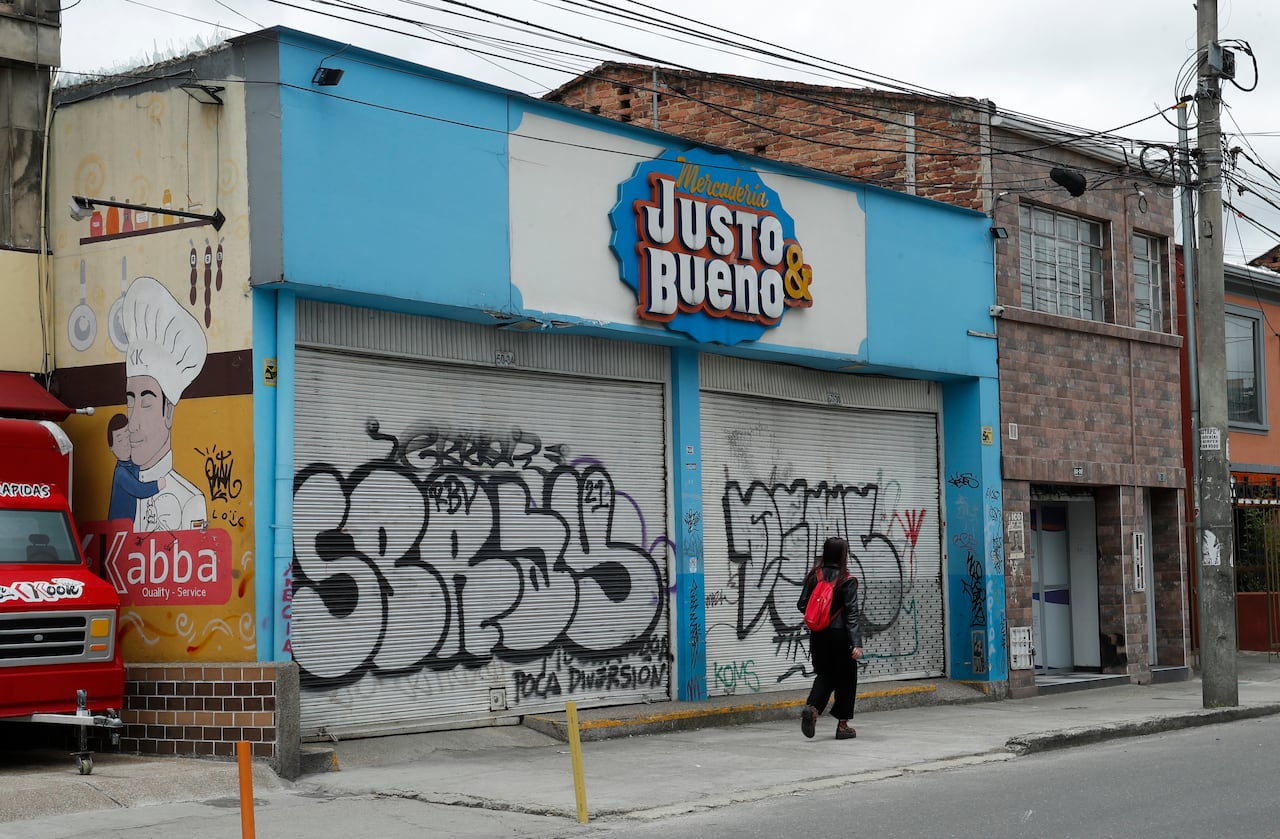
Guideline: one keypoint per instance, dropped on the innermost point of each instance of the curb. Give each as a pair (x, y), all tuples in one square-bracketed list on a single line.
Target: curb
[(1069, 737), (598, 724)]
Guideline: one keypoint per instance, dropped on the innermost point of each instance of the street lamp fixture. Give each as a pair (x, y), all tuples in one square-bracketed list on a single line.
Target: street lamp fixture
[(206, 94)]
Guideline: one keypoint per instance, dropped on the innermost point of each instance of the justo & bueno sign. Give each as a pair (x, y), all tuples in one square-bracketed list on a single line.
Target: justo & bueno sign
[(708, 248)]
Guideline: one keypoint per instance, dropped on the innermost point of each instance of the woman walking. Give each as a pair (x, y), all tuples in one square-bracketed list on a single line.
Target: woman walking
[(835, 650)]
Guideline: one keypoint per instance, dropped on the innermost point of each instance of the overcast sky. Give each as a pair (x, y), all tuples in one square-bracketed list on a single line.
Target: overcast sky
[(1098, 64)]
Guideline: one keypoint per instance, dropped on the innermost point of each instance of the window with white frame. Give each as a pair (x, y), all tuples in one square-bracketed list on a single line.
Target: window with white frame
[(1060, 259), (1245, 396), (1148, 285)]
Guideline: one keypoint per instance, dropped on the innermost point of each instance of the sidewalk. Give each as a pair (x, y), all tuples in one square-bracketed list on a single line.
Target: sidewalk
[(502, 772), (679, 771)]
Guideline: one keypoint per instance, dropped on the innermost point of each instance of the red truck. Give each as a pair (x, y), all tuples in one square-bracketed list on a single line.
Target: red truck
[(60, 661)]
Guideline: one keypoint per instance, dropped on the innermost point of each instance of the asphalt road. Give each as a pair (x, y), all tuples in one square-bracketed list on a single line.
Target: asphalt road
[(1219, 781), (894, 781)]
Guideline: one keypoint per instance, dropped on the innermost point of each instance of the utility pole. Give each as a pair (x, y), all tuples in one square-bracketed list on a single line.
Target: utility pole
[(1189, 251), (1219, 686)]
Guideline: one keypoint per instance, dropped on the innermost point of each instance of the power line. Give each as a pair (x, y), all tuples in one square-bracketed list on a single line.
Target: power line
[(560, 60), (738, 113), (544, 31), (913, 90)]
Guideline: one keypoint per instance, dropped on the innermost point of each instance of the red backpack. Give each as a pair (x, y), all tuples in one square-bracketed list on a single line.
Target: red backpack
[(819, 611)]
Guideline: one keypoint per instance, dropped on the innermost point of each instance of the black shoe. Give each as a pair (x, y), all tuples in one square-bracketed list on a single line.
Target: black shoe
[(845, 732), (808, 719)]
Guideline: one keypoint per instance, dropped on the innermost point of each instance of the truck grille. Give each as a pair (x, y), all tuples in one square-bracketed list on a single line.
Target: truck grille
[(45, 638)]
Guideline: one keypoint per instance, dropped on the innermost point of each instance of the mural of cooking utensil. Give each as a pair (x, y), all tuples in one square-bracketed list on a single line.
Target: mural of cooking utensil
[(115, 318), (195, 272), (208, 283), (212, 280), (82, 327)]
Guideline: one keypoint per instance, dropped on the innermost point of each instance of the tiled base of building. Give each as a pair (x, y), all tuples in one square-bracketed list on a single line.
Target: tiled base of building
[(205, 710)]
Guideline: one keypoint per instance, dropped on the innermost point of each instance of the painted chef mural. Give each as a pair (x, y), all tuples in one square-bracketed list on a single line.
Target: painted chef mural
[(173, 542), (166, 350)]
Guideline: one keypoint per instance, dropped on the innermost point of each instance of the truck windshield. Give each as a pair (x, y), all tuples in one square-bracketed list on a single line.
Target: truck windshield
[(36, 536)]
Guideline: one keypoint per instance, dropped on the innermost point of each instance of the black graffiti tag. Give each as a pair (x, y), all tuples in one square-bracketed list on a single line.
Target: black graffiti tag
[(431, 447), (218, 466), (774, 531), (974, 590), (431, 563)]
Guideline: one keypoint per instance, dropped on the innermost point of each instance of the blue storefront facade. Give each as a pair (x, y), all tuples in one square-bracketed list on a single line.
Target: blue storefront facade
[(546, 407), (680, 371)]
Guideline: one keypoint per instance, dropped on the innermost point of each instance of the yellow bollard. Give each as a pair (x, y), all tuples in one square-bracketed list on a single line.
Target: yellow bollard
[(244, 755), (575, 750)]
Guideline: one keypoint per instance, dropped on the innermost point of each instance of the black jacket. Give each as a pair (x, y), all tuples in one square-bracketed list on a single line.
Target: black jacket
[(846, 617)]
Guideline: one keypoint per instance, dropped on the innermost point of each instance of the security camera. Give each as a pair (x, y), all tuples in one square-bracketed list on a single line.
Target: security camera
[(996, 311)]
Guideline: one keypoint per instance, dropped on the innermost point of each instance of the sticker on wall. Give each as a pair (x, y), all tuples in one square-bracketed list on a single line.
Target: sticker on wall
[(708, 248), (1014, 536)]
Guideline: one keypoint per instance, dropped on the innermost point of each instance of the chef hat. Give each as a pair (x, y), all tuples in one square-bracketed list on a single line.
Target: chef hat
[(166, 341)]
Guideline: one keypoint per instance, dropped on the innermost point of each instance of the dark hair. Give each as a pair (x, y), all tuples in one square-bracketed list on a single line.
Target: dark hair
[(116, 423), (835, 551)]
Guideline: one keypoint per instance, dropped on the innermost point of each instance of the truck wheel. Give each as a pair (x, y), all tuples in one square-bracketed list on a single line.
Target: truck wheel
[(84, 764)]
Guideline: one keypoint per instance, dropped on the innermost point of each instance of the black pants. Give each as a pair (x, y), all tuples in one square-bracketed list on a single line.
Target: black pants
[(835, 672)]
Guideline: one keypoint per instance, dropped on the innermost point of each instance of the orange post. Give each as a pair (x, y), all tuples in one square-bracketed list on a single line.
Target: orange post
[(244, 754)]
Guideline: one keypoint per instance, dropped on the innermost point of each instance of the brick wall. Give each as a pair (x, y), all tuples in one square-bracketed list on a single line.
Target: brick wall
[(1102, 395), (1097, 396), (1020, 169), (204, 710), (1103, 398), (1122, 609), (1169, 578), (1111, 579), (900, 142)]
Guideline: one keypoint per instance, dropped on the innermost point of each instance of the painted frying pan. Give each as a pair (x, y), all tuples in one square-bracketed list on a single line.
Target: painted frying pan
[(115, 318), (82, 326)]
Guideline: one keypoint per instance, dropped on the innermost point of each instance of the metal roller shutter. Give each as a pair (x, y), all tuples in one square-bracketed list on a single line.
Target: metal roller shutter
[(473, 543), (780, 477)]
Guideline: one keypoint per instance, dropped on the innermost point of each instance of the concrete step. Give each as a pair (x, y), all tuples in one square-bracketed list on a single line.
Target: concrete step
[(314, 758)]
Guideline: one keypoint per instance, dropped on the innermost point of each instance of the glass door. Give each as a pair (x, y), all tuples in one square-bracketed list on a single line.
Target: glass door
[(1051, 587)]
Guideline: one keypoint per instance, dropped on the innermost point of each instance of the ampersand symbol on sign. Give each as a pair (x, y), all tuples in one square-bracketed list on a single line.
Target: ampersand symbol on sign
[(798, 275)]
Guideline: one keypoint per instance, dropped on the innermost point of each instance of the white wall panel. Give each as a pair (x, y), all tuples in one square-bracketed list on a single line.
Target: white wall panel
[(560, 220)]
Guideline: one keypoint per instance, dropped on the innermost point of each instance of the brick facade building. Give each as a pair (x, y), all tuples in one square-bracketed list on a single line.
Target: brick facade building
[(1086, 330)]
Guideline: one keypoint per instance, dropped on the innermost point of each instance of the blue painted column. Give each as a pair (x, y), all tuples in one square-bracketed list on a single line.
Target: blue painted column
[(993, 535), (283, 527), (690, 599), (266, 593), (976, 621), (282, 524)]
